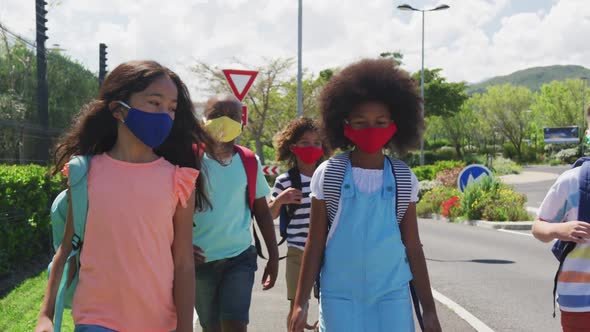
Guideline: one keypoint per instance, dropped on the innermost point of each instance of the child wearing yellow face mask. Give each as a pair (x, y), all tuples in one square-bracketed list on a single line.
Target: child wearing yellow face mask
[(226, 264)]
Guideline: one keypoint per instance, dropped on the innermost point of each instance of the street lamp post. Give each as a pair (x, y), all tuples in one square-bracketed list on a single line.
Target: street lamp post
[(408, 7), (299, 60)]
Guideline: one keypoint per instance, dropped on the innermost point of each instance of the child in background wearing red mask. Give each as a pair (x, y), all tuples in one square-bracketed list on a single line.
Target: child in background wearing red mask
[(300, 147), (363, 237)]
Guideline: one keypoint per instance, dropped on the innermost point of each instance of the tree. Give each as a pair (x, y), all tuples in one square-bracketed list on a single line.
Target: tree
[(560, 104), (442, 98), (504, 108), (396, 56)]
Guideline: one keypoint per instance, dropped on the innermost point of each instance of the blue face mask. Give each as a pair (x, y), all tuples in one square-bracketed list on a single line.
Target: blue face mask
[(150, 128)]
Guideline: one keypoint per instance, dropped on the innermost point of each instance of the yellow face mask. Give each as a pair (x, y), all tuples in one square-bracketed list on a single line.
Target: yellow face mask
[(224, 129)]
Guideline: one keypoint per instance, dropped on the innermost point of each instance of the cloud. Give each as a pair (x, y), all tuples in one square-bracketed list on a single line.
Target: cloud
[(335, 32)]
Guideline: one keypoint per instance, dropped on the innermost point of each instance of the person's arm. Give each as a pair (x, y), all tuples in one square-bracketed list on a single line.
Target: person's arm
[(45, 320), (573, 231), (311, 263), (411, 240), (267, 228), (289, 196), (184, 270)]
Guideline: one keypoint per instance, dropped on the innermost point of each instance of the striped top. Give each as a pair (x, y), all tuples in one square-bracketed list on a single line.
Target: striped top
[(298, 228), (328, 187), (561, 205)]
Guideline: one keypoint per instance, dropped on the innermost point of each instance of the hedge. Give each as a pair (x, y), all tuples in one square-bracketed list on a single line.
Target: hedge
[(26, 193)]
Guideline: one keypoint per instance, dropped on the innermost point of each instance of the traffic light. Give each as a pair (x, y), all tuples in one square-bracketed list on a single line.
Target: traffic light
[(102, 63), (41, 20)]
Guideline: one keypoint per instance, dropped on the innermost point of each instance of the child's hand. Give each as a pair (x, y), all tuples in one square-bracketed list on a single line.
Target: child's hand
[(298, 318), (44, 324), (290, 196), (270, 273), (431, 323), (574, 231), (199, 255)]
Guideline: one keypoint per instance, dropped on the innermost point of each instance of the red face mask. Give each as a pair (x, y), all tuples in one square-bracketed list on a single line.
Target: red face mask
[(308, 154), (372, 139)]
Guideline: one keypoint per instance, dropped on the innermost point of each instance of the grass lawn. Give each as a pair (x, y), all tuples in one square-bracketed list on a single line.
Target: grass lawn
[(20, 308)]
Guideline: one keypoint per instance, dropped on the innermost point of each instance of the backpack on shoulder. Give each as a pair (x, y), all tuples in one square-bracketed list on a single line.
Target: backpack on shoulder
[(560, 248), (287, 212), (78, 191)]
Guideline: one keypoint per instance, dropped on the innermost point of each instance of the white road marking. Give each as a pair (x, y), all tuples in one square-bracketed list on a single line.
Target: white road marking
[(477, 324)]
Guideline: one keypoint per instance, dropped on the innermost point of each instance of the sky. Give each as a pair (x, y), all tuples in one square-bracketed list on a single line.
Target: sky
[(471, 41)]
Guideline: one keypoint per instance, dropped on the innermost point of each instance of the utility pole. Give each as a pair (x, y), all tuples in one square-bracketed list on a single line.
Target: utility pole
[(42, 88), (102, 62)]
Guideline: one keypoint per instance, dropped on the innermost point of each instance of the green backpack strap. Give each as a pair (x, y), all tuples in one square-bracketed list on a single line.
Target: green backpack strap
[(78, 171)]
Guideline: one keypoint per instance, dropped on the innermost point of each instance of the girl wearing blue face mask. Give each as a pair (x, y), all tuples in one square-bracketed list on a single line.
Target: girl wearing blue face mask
[(136, 267)]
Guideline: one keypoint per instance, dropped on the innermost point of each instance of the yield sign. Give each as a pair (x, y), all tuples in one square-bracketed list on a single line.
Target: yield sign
[(240, 81)]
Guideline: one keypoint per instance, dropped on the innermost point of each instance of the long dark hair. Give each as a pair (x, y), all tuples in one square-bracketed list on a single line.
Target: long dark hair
[(94, 130)]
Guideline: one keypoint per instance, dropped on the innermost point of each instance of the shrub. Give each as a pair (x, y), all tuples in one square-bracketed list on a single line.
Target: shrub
[(432, 201), (26, 193), (567, 156), (503, 166), (426, 172), (446, 153), (451, 208), (474, 159), (448, 177), (490, 199), (426, 186)]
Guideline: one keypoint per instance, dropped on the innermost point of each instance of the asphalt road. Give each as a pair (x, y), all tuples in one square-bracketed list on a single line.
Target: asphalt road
[(504, 279)]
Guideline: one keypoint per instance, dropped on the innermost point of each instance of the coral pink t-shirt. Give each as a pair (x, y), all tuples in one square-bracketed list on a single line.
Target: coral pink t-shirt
[(127, 271)]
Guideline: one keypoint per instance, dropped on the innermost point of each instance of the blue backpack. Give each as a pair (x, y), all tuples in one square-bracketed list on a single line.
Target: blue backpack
[(78, 169), (560, 248)]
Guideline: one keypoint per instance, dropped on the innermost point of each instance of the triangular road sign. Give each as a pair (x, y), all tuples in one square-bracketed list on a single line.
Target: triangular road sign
[(240, 81)]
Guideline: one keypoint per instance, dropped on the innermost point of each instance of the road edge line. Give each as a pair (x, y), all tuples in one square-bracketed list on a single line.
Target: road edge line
[(477, 324)]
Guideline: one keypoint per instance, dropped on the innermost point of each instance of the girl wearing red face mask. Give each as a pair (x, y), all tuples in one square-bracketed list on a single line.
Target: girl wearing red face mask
[(300, 147), (363, 245)]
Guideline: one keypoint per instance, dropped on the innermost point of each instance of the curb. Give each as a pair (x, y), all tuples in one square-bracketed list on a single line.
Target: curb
[(509, 225)]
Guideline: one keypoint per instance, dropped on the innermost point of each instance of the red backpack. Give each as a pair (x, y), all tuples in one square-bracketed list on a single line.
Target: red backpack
[(250, 163)]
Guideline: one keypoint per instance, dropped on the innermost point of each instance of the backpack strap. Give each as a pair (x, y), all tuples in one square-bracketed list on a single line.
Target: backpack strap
[(287, 212), (79, 166), (403, 187), (251, 167), (333, 178), (562, 248)]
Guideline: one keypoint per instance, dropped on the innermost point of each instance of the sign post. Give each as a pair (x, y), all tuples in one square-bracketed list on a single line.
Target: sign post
[(240, 82)]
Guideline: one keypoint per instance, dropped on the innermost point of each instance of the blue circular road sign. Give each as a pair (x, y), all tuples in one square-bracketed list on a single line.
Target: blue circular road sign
[(472, 173)]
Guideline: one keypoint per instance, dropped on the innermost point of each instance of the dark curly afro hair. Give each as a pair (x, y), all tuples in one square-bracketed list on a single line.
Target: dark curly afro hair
[(290, 135), (370, 80)]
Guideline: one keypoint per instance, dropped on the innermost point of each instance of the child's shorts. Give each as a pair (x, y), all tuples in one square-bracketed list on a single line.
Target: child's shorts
[(575, 321), (224, 289), (293, 263)]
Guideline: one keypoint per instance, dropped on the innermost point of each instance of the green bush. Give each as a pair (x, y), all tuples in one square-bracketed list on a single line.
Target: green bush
[(446, 153), (490, 199), (472, 158), (503, 166), (432, 200), (567, 156), (26, 193), (437, 144), (426, 186), (426, 172)]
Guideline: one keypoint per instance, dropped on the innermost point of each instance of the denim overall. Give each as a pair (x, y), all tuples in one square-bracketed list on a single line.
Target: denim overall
[(365, 272)]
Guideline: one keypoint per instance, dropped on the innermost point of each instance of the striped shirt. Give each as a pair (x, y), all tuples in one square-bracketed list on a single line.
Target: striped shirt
[(299, 226), (561, 205)]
